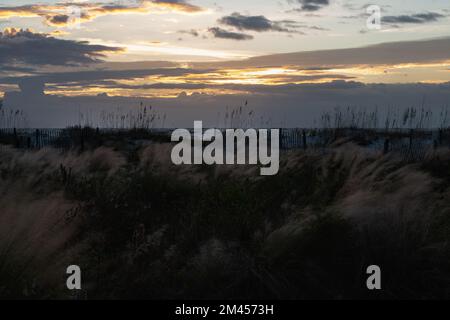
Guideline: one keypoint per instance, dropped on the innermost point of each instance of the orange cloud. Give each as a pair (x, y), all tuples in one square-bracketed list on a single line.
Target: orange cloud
[(65, 14)]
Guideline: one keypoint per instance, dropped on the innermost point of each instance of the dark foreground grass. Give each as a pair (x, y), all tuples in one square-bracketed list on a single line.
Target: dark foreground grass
[(140, 227)]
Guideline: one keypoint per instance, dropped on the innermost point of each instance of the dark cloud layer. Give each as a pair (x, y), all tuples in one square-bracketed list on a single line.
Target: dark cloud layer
[(29, 48), (224, 34), (285, 105), (300, 102), (423, 51), (419, 18), (312, 5), (191, 32), (101, 75), (255, 23)]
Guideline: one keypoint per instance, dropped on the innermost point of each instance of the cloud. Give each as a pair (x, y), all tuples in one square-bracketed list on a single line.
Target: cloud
[(257, 23), (60, 19), (177, 5), (224, 34), (19, 46), (88, 80), (419, 18), (285, 105), (63, 14), (99, 76), (191, 32), (293, 68), (21, 49), (312, 5), (391, 53)]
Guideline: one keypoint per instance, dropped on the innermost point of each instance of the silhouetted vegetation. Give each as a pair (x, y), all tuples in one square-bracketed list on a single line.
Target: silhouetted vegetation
[(141, 227)]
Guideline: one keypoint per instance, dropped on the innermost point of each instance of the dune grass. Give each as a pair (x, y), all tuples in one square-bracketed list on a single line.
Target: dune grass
[(140, 227)]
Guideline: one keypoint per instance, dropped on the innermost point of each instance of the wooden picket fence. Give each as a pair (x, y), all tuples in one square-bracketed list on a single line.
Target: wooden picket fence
[(411, 144)]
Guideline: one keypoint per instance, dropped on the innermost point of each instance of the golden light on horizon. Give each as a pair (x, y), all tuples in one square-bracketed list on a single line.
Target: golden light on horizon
[(227, 81), (78, 91)]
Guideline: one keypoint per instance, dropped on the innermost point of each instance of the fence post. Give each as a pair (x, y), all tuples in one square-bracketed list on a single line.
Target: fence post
[(305, 146), (410, 139), (37, 138), (16, 139), (386, 146), (97, 137), (81, 140)]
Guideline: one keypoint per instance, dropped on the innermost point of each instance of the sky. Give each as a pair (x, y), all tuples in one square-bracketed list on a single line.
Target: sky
[(286, 56)]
